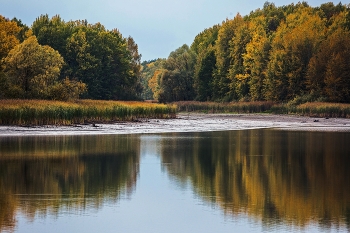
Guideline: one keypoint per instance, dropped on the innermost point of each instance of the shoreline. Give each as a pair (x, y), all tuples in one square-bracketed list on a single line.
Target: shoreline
[(189, 122)]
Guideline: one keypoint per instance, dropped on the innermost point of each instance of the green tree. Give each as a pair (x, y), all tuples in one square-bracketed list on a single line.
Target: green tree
[(103, 59), (203, 77), (174, 81), (328, 10), (53, 32), (205, 38), (204, 48), (136, 66), (223, 59), (177, 81)]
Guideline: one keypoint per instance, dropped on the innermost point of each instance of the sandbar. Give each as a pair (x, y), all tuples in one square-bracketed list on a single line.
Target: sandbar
[(189, 122)]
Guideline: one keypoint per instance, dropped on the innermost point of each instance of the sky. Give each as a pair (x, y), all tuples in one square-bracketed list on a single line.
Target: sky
[(157, 26)]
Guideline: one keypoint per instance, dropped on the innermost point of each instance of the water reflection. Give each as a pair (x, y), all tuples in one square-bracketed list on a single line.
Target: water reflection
[(41, 175), (276, 177)]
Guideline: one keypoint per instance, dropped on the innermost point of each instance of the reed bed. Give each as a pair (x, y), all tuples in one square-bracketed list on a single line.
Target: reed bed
[(318, 109), (44, 112), (312, 109), (232, 107)]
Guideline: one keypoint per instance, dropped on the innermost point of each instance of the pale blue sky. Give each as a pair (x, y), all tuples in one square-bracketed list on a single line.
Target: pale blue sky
[(157, 26)]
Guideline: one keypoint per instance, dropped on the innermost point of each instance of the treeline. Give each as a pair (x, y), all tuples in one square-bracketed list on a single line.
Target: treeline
[(54, 59), (290, 53)]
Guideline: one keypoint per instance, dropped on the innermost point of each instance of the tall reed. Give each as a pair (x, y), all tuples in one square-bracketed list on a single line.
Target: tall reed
[(43, 112), (232, 107), (314, 109), (324, 109)]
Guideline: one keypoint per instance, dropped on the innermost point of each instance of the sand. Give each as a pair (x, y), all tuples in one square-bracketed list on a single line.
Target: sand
[(193, 122)]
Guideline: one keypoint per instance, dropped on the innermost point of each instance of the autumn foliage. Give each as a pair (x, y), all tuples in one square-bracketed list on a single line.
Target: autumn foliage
[(273, 54), (59, 60)]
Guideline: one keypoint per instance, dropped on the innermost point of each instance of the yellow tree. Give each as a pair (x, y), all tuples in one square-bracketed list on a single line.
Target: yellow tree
[(256, 58), (238, 86), (154, 83), (32, 69), (294, 44), (8, 36)]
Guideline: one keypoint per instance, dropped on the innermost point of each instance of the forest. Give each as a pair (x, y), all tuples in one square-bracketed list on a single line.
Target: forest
[(292, 53), (59, 60)]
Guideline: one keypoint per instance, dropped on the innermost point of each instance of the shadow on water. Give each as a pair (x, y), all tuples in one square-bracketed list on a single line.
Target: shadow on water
[(41, 175), (276, 177)]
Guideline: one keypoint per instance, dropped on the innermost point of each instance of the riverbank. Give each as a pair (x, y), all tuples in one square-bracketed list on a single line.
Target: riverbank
[(189, 122)]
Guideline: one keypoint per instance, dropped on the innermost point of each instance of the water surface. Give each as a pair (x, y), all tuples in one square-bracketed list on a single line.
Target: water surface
[(242, 181)]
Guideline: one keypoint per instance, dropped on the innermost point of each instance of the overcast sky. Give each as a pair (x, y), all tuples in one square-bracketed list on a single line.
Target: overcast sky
[(157, 26)]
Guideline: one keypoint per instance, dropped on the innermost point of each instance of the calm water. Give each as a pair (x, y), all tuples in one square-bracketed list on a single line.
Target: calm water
[(241, 181)]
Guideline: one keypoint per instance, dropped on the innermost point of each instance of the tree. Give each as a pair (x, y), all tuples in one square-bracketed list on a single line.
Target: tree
[(53, 32), (136, 66), (238, 86), (32, 68), (155, 83), (223, 59), (328, 71), (67, 90), (203, 77), (204, 39), (256, 58), (174, 81), (93, 56), (103, 59), (22, 35), (204, 48), (8, 36), (328, 10), (294, 44), (147, 73)]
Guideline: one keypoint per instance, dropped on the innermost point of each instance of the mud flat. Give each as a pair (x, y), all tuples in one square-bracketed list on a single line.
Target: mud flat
[(193, 122)]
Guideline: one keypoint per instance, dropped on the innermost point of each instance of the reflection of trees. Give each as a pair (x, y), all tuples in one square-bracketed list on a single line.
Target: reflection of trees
[(41, 175), (297, 177)]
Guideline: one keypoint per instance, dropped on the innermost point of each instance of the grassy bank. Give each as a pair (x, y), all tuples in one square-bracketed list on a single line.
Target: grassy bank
[(43, 112), (314, 109)]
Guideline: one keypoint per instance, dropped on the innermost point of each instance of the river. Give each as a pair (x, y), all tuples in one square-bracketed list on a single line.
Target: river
[(260, 180)]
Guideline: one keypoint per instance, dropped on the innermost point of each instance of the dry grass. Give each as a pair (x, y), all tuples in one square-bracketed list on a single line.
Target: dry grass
[(314, 109), (232, 107), (324, 109), (43, 112)]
